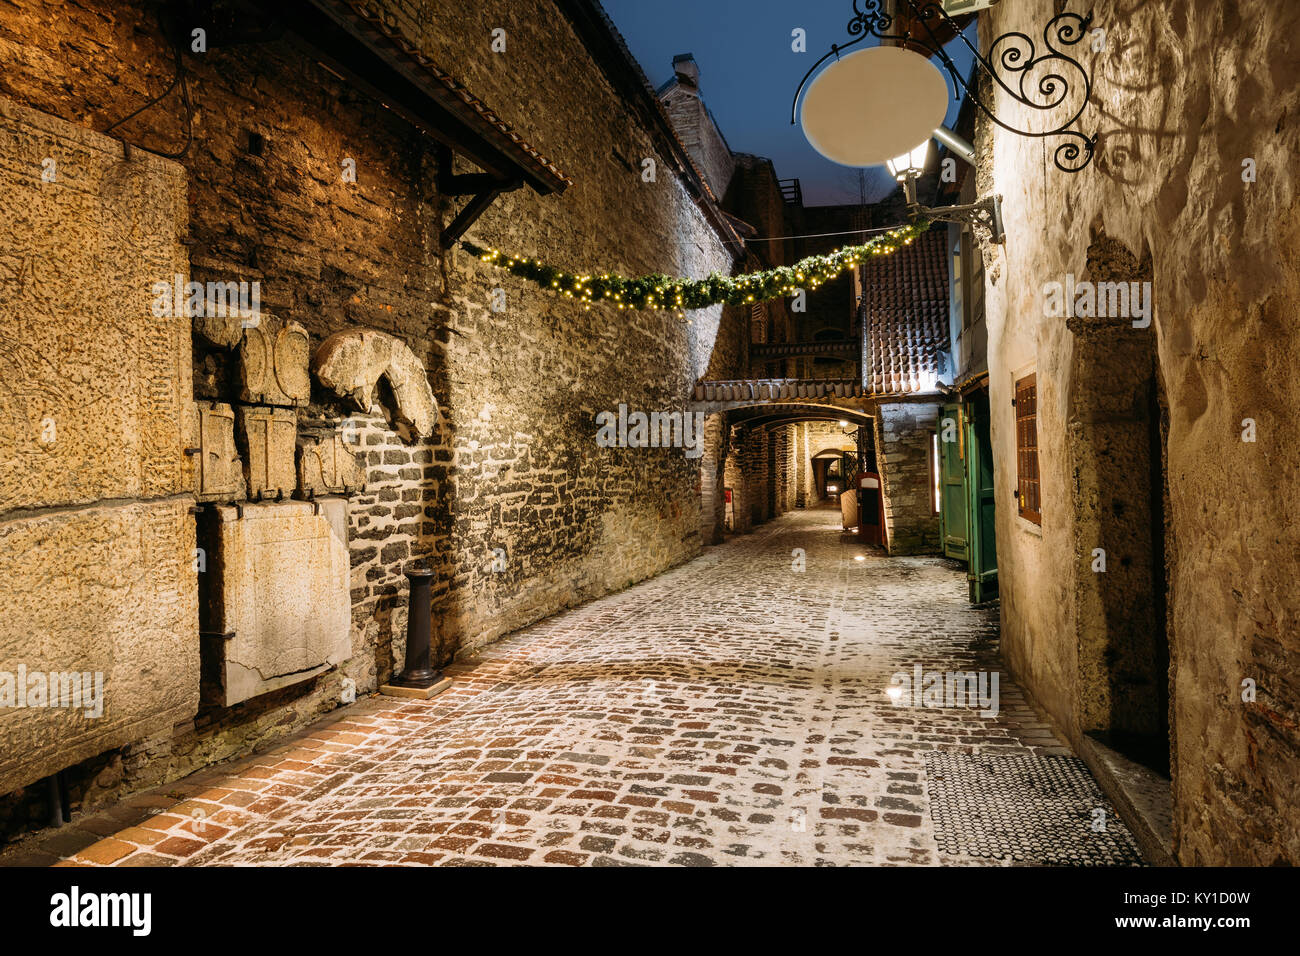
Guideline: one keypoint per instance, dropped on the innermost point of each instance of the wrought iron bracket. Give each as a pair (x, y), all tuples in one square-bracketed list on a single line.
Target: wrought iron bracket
[(1045, 82), (986, 213)]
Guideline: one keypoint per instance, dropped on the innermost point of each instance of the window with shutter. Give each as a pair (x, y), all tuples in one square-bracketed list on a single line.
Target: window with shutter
[(1027, 488)]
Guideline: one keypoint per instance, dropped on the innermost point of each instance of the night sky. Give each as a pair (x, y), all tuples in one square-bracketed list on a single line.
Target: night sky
[(748, 75)]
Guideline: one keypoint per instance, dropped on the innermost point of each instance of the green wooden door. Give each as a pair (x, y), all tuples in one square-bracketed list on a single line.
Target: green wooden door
[(981, 541), (952, 483)]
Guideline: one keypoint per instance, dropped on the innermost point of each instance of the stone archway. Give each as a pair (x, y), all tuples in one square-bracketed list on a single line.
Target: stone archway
[(762, 452)]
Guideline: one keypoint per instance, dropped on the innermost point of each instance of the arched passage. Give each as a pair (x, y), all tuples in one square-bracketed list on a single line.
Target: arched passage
[(764, 462)]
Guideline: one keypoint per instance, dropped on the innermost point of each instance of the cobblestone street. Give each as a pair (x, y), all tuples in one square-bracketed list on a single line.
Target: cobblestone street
[(731, 711)]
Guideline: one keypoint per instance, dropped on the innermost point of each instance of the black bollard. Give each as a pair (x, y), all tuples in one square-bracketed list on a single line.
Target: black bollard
[(419, 673)]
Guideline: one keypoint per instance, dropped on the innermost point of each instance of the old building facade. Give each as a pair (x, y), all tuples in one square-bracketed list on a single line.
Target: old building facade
[(1146, 557)]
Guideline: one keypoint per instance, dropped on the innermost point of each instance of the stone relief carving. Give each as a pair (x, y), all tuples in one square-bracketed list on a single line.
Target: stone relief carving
[(327, 465), (268, 439), (273, 358), (351, 363), (219, 471)]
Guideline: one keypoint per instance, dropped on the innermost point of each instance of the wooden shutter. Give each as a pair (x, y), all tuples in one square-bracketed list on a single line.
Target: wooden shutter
[(1027, 486)]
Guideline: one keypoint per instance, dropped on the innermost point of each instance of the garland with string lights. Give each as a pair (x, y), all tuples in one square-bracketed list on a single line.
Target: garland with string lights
[(669, 293)]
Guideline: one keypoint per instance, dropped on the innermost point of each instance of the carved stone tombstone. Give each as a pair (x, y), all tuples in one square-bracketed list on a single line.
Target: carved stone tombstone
[(273, 360), (219, 473), (278, 609), (327, 465), (269, 436)]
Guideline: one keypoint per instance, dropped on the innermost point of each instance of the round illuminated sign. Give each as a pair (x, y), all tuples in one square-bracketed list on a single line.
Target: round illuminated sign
[(874, 104)]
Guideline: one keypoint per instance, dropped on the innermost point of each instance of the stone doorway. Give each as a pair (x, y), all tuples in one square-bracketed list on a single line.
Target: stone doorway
[(1118, 422)]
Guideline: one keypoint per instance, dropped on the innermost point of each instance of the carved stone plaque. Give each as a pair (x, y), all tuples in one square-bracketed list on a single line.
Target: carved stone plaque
[(219, 472), (328, 466), (268, 437), (273, 360)]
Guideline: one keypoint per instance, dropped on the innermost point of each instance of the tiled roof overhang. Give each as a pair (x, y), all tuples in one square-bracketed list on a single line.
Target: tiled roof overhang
[(904, 315), (356, 40), (746, 390), (844, 348)]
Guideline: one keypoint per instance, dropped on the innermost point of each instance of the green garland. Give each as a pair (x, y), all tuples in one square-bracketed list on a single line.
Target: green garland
[(666, 292)]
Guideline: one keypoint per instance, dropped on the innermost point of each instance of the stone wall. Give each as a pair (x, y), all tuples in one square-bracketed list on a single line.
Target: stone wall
[(712, 480), (696, 127), (96, 543), (1190, 96), (512, 469), (903, 432), (736, 478)]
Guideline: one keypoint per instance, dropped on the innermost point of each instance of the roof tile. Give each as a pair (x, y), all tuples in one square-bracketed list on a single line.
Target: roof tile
[(904, 315)]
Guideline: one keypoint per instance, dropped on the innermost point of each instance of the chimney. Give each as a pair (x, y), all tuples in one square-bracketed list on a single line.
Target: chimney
[(687, 70)]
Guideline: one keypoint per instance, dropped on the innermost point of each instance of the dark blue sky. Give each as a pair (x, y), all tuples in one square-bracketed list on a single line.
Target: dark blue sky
[(748, 75)]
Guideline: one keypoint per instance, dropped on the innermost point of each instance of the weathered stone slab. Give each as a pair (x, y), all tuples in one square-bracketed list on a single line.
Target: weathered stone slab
[(95, 390), (352, 363), (328, 466), (220, 472), (273, 359), (101, 589), (276, 607), (268, 437)]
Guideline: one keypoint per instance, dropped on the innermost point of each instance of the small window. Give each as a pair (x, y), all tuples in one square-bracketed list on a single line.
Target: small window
[(1027, 488)]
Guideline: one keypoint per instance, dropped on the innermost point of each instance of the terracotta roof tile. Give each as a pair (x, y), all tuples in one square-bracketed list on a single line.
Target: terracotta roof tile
[(761, 389), (904, 315)]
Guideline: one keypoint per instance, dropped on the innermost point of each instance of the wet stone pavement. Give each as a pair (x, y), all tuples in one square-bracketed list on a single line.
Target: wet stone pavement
[(729, 712)]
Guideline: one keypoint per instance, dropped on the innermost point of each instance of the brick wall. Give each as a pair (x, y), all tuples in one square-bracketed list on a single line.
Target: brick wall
[(700, 135)]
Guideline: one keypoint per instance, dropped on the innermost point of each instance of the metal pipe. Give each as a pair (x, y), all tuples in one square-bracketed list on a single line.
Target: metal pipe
[(955, 144), (57, 790)]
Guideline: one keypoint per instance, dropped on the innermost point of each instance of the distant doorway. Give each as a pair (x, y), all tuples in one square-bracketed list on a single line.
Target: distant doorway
[(829, 475)]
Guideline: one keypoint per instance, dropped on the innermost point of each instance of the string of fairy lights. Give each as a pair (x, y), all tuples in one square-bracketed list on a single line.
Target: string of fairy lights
[(664, 292)]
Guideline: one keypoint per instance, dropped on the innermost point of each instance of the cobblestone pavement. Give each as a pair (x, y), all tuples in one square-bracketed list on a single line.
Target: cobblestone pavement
[(731, 711)]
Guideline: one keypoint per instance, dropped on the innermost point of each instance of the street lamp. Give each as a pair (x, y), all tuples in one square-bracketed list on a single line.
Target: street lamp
[(911, 164), (866, 100), (907, 169), (869, 104)]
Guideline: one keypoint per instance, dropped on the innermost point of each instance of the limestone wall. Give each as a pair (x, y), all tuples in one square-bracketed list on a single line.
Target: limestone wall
[(903, 440), (96, 540), (1189, 96)]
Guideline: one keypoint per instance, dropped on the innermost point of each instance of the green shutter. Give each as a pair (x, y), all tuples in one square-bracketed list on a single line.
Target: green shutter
[(981, 541), (952, 475)]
